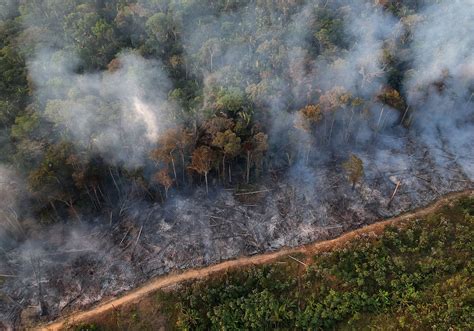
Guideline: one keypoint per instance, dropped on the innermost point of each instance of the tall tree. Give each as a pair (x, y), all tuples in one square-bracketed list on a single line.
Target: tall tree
[(209, 51), (306, 120), (331, 101), (229, 145), (173, 140), (254, 148), (52, 180), (163, 178), (201, 162)]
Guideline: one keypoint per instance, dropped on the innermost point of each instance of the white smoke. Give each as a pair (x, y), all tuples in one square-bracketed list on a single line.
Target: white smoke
[(119, 114), (442, 83)]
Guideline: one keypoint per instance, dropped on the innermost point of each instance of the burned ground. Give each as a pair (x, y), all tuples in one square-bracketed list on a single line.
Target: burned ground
[(73, 270)]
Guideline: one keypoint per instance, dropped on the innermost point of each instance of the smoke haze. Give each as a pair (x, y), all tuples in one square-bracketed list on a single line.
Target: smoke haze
[(342, 56)]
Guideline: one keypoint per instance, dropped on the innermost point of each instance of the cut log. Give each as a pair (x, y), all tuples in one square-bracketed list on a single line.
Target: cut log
[(254, 192), (393, 194), (299, 261)]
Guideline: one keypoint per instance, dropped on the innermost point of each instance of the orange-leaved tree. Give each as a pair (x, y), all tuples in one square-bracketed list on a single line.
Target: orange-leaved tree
[(201, 162), (163, 178)]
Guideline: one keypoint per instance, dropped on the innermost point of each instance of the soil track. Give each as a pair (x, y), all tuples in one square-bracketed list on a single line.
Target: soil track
[(192, 274)]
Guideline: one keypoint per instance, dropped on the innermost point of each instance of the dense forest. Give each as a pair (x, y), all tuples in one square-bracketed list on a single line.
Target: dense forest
[(411, 277), (134, 117), (107, 100)]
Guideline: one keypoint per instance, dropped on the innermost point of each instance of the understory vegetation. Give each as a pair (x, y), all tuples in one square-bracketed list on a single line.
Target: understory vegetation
[(414, 276)]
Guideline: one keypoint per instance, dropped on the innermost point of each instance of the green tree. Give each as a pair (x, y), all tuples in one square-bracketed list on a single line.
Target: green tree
[(52, 180), (211, 49), (254, 148), (229, 145), (93, 37), (160, 27), (354, 169)]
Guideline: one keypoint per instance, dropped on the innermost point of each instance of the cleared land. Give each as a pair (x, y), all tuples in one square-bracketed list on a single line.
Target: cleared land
[(306, 251)]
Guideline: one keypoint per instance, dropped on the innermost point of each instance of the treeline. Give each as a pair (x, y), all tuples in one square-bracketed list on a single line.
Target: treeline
[(416, 277), (225, 89)]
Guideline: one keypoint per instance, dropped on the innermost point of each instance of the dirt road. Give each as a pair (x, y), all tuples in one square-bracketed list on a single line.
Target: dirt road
[(174, 278)]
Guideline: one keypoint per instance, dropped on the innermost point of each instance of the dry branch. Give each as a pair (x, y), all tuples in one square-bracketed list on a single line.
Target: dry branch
[(393, 194), (126, 233), (139, 234), (299, 261), (254, 192)]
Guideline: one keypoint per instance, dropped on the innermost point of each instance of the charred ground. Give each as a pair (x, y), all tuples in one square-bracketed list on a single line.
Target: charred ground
[(140, 137)]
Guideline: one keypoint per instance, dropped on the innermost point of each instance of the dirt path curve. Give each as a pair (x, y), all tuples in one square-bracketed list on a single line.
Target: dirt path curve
[(174, 278)]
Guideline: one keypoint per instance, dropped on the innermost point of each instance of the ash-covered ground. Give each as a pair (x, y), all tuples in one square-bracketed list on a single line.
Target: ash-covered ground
[(391, 83), (60, 270)]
